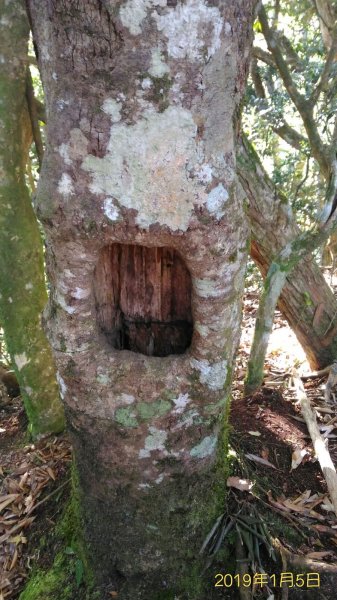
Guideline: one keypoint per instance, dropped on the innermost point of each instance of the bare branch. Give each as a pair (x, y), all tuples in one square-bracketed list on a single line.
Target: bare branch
[(293, 60), (41, 111), (275, 50), (276, 12), (321, 451), (327, 18), (322, 85), (32, 107), (256, 77), (291, 136), (264, 56), (304, 107)]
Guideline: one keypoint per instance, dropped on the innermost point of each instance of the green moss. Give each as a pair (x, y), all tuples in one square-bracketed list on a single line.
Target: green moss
[(63, 346), (214, 408), (307, 299), (51, 584), (158, 92), (70, 368), (233, 257)]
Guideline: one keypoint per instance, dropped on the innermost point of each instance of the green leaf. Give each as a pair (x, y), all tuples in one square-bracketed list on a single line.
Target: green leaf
[(257, 27), (79, 572)]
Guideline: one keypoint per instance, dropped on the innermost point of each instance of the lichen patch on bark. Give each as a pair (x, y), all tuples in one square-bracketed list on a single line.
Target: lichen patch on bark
[(154, 441), (143, 168), (206, 447), (158, 66), (133, 13), (212, 374), (192, 30), (65, 185), (21, 360)]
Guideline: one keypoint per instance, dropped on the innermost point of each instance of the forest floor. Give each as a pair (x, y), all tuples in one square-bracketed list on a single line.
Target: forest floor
[(272, 459)]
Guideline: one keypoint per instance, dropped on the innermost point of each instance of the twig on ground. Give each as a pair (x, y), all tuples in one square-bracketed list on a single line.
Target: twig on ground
[(35, 506), (320, 448), (302, 562), (319, 373)]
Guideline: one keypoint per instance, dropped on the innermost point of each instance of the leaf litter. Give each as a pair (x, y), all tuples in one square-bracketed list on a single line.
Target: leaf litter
[(27, 482)]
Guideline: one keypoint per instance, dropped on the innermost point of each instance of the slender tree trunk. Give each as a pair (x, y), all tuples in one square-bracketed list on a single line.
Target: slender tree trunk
[(22, 286), (306, 300), (146, 253)]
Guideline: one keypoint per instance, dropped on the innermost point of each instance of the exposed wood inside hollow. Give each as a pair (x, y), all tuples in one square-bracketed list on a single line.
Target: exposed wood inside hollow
[(143, 299)]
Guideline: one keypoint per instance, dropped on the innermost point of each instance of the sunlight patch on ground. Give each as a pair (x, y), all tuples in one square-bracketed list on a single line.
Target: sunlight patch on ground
[(284, 350)]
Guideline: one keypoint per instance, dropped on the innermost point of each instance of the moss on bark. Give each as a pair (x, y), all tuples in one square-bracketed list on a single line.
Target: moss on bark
[(22, 285)]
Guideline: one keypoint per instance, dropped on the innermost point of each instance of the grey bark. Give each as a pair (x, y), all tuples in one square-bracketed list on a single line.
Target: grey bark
[(142, 105)]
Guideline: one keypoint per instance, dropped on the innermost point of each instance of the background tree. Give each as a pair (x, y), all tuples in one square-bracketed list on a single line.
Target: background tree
[(306, 301), (23, 290), (304, 94)]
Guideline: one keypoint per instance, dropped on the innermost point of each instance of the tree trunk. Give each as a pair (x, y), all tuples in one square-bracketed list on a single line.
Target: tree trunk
[(306, 300), (22, 285), (146, 254)]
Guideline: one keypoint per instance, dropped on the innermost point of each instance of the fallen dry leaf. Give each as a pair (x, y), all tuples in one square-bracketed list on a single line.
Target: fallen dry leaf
[(265, 453), (260, 460), (8, 500), (245, 485), (297, 457), (303, 497), (327, 505)]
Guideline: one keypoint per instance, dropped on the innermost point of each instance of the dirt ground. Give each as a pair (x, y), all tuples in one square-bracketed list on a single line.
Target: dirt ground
[(267, 435)]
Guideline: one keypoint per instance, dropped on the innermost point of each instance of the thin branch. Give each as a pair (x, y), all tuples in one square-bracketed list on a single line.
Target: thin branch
[(256, 77), (302, 562), (46, 498), (327, 17), (32, 108), (275, 50), (276, 12), (30, 176), (330, 63), (293, 60), (264, 56), (333, 142), (285, 131), (41, 111), (304, 107), (303, 180), (291, 136)]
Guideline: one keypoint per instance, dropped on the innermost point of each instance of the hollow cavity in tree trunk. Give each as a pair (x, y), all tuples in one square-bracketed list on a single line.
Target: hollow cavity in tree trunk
[(143, 299)]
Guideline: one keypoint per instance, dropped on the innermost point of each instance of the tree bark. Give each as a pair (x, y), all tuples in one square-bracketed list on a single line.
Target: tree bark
[(306, 300), (146, 252), (22, 285)]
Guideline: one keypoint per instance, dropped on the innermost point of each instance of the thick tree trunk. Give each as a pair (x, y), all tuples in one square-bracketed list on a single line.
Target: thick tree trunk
[(22, 285), (146, 253), (306, 300)]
